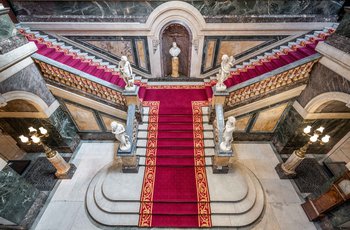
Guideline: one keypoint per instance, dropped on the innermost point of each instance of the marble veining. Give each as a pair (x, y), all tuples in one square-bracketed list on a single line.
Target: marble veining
[(16, 196), (116, 46), (213, 11), (65, 126), (211, 57), (317, 84), (28, 79)]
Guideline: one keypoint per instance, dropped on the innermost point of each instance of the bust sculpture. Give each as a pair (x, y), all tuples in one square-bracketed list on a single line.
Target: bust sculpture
[(174, 50), (119, 131), (227, 137), (126, 71), (226, 64)]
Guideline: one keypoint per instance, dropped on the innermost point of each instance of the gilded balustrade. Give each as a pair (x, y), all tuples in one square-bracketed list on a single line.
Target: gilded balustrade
[(268, 85), (74, 81)]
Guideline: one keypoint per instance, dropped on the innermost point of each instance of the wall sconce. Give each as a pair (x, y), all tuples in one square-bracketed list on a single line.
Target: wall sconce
[(64, 170)]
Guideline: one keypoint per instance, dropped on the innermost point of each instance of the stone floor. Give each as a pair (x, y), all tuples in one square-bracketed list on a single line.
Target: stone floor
[(65, 208)]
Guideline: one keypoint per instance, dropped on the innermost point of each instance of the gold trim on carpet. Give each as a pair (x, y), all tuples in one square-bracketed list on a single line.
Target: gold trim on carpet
[(146, 201), (203, 198)]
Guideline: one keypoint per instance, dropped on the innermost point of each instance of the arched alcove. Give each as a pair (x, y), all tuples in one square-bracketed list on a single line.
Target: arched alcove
[(175, 32), (185, 16), (320, 102), (25, 104)]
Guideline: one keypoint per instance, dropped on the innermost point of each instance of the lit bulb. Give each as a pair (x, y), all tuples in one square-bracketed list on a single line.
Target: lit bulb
[(31, 129), (320, 129), (307, 129), (43, 130), (314, 138), (35, 139), (24, 139), (325, 139)]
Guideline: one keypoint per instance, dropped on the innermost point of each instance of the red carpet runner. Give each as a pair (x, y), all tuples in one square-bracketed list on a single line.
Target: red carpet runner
[(175, 189)]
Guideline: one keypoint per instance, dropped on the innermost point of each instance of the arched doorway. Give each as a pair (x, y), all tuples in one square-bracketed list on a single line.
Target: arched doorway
[(175, 32)]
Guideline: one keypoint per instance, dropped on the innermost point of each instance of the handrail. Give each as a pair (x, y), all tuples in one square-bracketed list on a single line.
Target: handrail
[(62, 74), (275, 72), (288, 75)]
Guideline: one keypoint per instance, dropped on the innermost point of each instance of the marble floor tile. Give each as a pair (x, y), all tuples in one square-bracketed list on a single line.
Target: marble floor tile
[(291, 217), (59, 215), (280, 191)]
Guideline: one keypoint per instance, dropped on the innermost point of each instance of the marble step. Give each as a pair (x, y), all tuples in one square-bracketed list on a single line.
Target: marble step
[(245, 218), (242, 212), (100, 216), (237, 201)]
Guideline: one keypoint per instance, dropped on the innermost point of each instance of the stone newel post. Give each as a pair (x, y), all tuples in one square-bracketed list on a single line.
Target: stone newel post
[(224, 153), (126, 151)]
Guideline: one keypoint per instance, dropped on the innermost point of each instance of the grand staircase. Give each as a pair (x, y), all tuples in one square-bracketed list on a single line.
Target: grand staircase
[(115, 199), (236, 199)]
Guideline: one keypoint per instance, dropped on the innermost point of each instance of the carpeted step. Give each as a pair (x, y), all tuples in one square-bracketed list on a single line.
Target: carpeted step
[(178, 208), (178, 221), (142, 93), (175, 162)]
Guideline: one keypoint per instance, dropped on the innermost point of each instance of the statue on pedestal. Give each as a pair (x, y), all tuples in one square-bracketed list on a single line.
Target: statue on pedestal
[(227, 137), (224, 72), (126, 71), (119, 131), (174, 52)]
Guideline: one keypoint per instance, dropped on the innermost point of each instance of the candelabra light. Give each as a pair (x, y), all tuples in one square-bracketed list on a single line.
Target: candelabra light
[(316, 136), (64, 169)]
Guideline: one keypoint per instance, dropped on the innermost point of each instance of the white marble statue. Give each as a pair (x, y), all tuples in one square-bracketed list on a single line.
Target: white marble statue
[(126, 71), (174, 50), (224, 72), (119, 131), (227, 137)]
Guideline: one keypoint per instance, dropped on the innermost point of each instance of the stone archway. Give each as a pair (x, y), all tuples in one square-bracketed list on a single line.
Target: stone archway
[(176, 32)]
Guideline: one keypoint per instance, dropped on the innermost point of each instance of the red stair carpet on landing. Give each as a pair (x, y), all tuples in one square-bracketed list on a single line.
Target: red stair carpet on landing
[(175, 189)]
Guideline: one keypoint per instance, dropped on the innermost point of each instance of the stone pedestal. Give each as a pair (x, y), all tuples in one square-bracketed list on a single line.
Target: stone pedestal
[(286, 170), (175, 67), (64, 169), (130, 164), (220, 164)]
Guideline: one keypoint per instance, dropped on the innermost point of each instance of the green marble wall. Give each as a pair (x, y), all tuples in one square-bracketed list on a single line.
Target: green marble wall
[(16, 196), (7, 28)]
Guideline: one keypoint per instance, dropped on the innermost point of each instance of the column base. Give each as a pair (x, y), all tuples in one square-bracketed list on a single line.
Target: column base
[(220, 169), (220, 164), (67, 175), (282, 174), (130, 164)]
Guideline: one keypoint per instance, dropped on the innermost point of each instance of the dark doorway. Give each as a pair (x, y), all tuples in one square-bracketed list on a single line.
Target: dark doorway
[(176, 33)]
